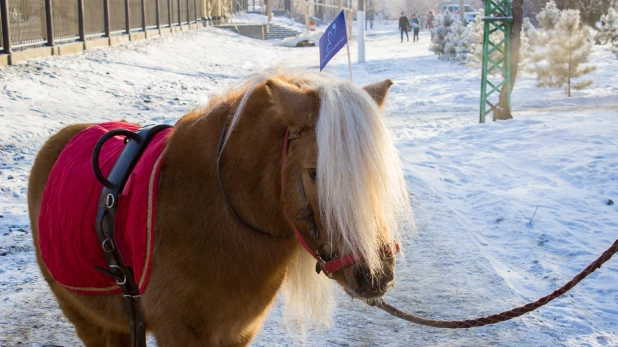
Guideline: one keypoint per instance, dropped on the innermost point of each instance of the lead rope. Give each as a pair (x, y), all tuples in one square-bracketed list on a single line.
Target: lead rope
[(503, 316)]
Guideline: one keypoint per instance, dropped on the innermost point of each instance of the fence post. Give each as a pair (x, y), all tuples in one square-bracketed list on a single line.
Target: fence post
[(6, 28), (127, 22), (207, 14), (195, 9), (188, 16), (80, 15), (158, 15), (50, 22), (144, 15), (106, 18), (179, 15), (169, 12)]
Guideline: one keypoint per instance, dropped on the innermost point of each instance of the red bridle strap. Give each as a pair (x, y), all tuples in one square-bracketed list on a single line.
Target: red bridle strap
[(332, 266)]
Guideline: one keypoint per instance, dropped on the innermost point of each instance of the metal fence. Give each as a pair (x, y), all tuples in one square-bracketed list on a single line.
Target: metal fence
[(135, 15), (65, 20), (183, 11), (93, 18), (117, 16), (164, 13), (175, 12), (28, 23)]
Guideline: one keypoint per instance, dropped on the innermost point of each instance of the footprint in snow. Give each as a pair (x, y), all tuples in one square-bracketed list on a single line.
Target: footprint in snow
[(435, 155)]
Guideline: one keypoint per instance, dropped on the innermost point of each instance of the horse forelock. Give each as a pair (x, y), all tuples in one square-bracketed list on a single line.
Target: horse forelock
[(361, 188)]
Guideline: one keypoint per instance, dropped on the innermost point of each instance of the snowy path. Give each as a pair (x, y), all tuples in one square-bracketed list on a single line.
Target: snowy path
[(474, 253)]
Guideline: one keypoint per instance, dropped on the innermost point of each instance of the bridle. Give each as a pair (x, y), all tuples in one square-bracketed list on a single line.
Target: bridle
[(327, 263)]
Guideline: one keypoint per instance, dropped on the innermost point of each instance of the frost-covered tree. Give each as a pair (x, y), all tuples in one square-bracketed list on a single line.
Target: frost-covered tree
[(439, 33), (530, 31), (456, 45), (608, 31), (476, 33), (528, 44), (590, 10), (549, 17), (540, 40), (567, 55)]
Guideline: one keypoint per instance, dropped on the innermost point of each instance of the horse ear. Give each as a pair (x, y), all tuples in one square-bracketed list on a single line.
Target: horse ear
[(378, 91), (291, 103)]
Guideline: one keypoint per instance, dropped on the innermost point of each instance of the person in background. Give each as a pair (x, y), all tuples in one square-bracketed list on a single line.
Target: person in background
[(404, 26), (429, 21), (416, 26)]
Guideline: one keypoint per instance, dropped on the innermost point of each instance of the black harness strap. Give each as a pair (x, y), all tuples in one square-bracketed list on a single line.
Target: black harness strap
[(136, 143)]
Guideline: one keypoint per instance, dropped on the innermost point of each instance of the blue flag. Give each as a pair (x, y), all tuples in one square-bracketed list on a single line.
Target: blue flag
[(333, 39)]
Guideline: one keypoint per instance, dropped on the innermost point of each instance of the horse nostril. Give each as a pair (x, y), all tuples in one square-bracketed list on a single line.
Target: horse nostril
[(363, 278)]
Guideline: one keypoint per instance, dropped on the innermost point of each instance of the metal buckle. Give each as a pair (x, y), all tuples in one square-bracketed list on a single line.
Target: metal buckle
[(124, 276), (136, 297), (110, 245), (320, 266), (110, 200), (306, 215)]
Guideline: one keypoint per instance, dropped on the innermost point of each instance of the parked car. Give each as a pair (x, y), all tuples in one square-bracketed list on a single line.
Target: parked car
[(469, 12)]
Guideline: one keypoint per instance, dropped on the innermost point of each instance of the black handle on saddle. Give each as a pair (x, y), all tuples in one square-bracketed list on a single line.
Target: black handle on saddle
[(97, 150)]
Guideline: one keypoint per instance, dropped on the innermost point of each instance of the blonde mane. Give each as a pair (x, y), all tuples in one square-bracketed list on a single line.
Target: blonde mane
[(363, 199)]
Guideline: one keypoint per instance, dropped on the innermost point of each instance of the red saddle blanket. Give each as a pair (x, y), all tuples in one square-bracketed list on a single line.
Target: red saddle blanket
[(67, 235)]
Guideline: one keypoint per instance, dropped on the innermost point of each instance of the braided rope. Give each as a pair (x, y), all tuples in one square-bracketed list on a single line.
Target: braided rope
[(506, 315)]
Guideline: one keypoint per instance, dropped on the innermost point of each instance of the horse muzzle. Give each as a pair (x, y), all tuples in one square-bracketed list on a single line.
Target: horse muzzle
[(361, 284)]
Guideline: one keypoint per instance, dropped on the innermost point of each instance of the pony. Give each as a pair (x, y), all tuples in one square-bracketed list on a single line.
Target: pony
[(217, 269)]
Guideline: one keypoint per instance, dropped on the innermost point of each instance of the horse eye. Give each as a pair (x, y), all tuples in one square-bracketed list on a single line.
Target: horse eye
[(312, 173)]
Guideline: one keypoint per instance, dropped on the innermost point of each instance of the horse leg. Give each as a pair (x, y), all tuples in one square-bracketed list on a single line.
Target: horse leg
[(91, 333)]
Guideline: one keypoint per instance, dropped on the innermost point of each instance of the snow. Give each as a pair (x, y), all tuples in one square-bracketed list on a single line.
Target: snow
[(475, 187), (313, 38)]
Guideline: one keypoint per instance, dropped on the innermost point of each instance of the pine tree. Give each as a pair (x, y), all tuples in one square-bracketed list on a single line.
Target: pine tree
[(536, 59), (569, 47), (549, 17), (527, 47), (476, 34), (456, 46), (439, 33), (595, 9), (609, 29), (530, 31)]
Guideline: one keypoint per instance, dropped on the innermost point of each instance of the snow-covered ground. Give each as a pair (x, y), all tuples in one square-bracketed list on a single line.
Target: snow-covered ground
[(475, 187)]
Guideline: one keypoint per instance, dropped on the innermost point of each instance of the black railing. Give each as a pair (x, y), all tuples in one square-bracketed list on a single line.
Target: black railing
[(117, 16), (65, 19), (26, 22), (29, 23), (94, 17)]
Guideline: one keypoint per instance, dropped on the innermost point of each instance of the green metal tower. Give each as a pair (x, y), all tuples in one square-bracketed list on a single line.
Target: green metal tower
[(496, 67)]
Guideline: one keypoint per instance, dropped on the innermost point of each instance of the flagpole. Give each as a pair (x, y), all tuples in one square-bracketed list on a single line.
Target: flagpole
[(360, 15), (348, 47)]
